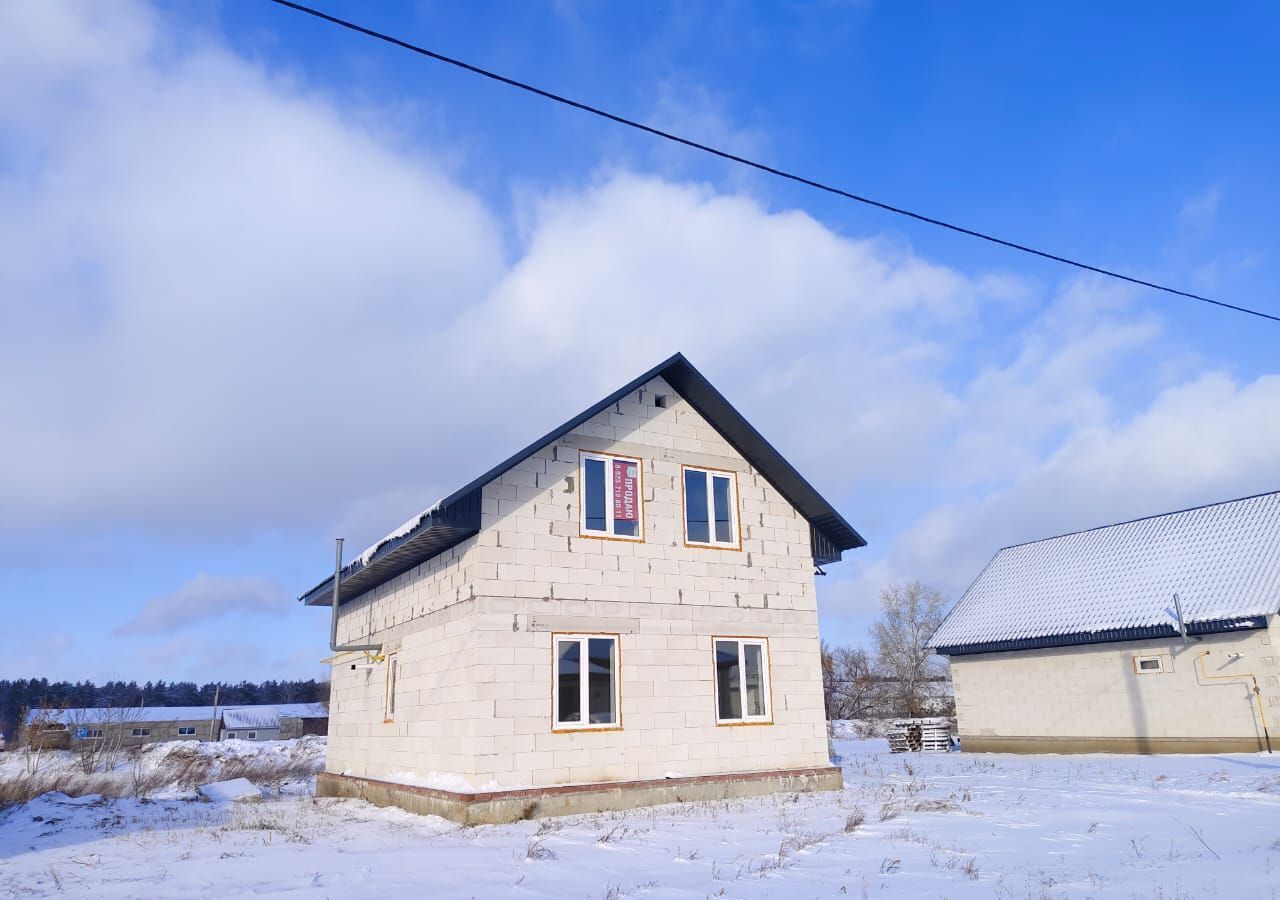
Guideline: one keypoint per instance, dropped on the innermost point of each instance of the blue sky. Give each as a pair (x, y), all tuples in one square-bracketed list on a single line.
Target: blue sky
[(269, 282)]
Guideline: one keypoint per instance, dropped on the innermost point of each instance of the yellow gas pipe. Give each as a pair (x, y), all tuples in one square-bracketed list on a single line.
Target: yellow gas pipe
[(1257, 692)]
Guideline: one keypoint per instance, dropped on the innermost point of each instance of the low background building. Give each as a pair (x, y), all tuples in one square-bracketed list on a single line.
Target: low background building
[(134, 726), (1073, 644)]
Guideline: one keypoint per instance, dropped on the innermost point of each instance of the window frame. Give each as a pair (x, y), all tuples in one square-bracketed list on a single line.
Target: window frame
[(1154, 657), (389, 692), (766, 669), (186, 730), (583, 638), (735, 523), (607, 534), (231, 735), (141, 732), (251, 735)]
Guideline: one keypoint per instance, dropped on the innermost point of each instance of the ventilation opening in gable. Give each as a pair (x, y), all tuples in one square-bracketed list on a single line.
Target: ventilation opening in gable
[(660, 401)]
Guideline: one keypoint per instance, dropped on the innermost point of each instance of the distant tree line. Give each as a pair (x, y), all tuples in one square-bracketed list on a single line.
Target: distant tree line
[(900, 676), (29, 693)]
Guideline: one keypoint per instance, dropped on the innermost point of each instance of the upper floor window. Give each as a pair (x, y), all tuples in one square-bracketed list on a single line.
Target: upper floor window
[(585, 689), (611, 502), (711, 508)]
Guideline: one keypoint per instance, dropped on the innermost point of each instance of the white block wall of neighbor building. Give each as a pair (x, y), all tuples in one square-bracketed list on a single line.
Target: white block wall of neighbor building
[(473, 628), (1074, 699)]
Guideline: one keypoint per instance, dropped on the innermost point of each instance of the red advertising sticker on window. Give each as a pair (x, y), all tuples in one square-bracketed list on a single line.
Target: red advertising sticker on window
[(626, 505)]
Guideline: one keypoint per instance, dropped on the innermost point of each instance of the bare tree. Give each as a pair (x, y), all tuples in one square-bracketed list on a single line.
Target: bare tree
[(849, 684), (910, 613), (38, 725), (98, 737)]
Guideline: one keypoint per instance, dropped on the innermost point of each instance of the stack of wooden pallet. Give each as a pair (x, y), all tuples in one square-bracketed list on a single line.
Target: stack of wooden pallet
[(920, 735)]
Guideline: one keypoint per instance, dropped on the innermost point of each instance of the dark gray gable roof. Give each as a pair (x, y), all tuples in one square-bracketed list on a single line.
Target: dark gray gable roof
[(1117, 582), (457, 517)]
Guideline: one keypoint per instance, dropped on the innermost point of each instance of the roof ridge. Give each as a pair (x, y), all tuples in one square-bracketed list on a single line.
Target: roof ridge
[(1172, 512)]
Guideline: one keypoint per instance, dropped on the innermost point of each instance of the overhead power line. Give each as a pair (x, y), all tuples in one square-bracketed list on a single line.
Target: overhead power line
[(742, 160)]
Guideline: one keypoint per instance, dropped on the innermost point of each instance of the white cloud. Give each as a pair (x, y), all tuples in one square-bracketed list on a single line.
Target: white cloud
[(205, 598), (241, 310), (1200, 212), (1207, 439)]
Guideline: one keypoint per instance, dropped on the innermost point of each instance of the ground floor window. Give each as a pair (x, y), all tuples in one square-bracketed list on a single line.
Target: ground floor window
[(585, 685), (142, 732), (742, 680), (187, 729), (231, 735), (253, 735)]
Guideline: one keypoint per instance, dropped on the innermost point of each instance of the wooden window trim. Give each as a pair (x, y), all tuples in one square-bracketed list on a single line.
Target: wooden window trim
[(583, 455), (391, 682), (715, 679), (558, 727), (736, 507)]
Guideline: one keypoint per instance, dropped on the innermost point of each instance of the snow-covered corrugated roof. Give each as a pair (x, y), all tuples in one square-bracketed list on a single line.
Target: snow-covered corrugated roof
[(172, 713), (251, 717), (1223, 561)]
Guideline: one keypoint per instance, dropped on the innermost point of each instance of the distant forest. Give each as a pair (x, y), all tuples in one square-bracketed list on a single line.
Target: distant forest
[(18, 696)]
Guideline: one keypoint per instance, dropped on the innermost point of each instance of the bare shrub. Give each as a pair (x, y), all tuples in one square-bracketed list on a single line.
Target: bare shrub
[(970, 868), (890, 811), (616, 833), (926, 804), (855, 820), (850, 687), (536, 849)]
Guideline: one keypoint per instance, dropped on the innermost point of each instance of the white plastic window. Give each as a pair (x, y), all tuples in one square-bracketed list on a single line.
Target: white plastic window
[(742, 680), (710, 508), (611, 504), (585, 686)]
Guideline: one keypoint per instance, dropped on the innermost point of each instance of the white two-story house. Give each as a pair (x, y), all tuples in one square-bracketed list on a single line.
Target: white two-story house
[(622, 613)]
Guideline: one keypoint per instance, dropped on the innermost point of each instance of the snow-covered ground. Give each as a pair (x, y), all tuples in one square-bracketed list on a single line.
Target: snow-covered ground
[(953, 825)]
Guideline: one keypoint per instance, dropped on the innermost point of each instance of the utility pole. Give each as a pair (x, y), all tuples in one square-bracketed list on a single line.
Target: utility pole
[(213, 722)]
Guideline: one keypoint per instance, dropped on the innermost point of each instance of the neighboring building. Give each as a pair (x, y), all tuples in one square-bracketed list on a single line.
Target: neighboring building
[(1072, 644), (134, 726), (253, 723), (626, 606)]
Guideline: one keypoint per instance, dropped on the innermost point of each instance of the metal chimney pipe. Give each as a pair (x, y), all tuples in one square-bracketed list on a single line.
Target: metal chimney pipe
[(337, 598)]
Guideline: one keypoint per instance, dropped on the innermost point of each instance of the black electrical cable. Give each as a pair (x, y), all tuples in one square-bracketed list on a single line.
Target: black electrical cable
[(742, 160)]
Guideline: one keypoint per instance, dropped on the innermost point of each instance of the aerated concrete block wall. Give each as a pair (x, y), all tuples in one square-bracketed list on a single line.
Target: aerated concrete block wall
[(473, 628), (1090, 698)]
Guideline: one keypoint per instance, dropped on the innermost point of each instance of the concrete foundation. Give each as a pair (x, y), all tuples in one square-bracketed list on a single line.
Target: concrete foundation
[(500, 807)]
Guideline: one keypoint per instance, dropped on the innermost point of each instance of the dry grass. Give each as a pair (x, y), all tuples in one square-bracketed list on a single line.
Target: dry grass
[(156, 767), (855, 820)]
